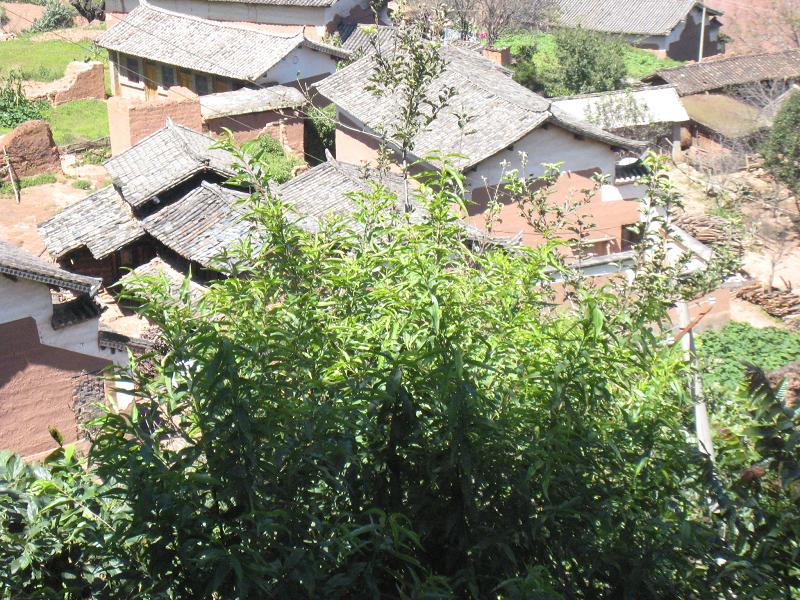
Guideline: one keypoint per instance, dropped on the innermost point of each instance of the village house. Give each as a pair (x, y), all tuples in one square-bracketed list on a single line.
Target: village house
[(167, 199), (485, 128), (654, 113), (51, 357), (153, 49), (667, 27), (731, 101), (319, 18)]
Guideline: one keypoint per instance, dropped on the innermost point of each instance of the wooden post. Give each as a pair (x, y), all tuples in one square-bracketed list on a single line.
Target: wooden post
[(11, 176), (702, 33)]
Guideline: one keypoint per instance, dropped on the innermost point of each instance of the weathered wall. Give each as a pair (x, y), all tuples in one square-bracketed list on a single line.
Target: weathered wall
[(31, 149), (683, 42), (608, 211), (287, 129), (37, 388), (81, 80), (22, 299), (130, 121), (352, 144)]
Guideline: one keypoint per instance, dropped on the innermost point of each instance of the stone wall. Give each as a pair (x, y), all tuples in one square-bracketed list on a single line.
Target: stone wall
[(31, 150), (81, 80), (130, 120)]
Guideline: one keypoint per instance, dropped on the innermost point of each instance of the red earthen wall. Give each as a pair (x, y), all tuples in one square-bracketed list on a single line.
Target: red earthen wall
[(37, 385), (288, 129)]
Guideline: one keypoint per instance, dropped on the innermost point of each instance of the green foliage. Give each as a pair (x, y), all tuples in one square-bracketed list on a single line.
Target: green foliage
[(537, 63), (82, 184), (15, 108), (56, 16), (95, 156), (320, 134), (78, 121), (781, 149), (45, 60), (26, 182), (269, 160), (726, 353)]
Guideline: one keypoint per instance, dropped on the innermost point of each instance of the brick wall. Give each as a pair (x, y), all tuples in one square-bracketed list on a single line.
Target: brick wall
[(130, 121), (288, 128)]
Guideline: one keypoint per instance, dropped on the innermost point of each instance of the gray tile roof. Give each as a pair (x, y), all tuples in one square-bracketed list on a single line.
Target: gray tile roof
[(245, 101), (311, 3), (327, 189), (358, 39), (236, 51), (498, 110), (636, 17), (157, 267), (102, 222), (16, 262), (201, 224), (718, 73), (163, 160)]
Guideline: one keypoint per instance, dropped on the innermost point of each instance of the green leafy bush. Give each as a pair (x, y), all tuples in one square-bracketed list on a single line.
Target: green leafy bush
[(726, 352), (781, 150), (56, 16), (82, 184), (268, 157), (15, 108), (320, 134)]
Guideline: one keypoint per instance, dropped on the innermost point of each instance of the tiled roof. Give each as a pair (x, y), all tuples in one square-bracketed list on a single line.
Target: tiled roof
[(157, 267), (327, 189), (497, 110), (101, 222), (236, 51), (650, 105), (19, 263), (642, 17), (311, 3), (245, 101), (357, 39), (201, 224), (162, 160), (718, 73), (724, 115)]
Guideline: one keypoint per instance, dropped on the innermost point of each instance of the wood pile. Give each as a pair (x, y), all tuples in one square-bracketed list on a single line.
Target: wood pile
[(707, 229), (778, 303)]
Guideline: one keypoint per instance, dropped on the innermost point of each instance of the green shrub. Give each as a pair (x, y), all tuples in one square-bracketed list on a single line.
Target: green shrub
[(725, 353), (781, 150), (320, 135), (82, 184), (56, 16), (268, 156), (15, 108)]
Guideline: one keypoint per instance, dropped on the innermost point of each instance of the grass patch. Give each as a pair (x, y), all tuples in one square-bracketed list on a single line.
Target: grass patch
[(82, 184), (78, 121), (638, 63), (46, 60), (26, 182)]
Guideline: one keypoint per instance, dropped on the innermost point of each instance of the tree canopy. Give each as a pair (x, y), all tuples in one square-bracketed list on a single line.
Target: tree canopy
[(781, 149)]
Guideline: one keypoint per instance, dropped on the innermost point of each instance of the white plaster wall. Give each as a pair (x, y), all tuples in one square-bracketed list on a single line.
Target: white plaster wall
[(300, 64), (242, 12), (22, 299), (550, 145)]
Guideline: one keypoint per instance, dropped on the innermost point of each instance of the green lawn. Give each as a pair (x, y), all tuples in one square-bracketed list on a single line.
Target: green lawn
[(78, 121), (639, 63), (45, 61)]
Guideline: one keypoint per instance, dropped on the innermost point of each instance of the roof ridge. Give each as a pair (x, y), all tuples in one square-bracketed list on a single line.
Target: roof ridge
[(220, 24), (724, 59)]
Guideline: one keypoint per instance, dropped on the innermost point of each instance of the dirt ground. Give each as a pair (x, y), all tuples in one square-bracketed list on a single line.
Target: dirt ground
[(763, 224)]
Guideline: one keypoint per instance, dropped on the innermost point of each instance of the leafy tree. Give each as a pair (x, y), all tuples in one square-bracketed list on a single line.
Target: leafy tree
[(267, 157), (781, 150), (15, 108), (91, 10), (583, 62)]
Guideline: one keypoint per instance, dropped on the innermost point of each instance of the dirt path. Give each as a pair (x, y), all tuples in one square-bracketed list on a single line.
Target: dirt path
[(20, 16)]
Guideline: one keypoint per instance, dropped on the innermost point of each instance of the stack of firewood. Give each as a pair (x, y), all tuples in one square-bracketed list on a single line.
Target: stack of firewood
[(707, 229), (778, 303)]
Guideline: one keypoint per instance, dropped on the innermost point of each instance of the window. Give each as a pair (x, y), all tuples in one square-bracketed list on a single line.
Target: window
[(630, 236), (167, 76), (201, 84), (132, 69)]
